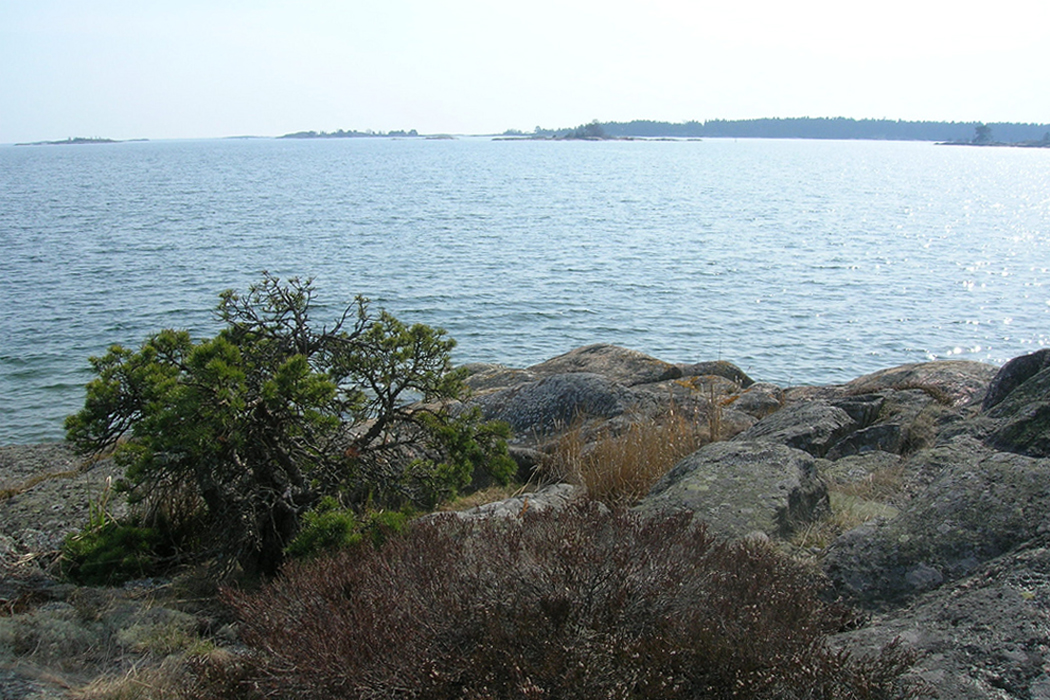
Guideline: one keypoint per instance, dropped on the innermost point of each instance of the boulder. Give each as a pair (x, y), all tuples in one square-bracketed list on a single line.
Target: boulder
[(983, 638), (543, 407), (864, 409), (952, 382), (718, 368), (484, 377), (978, 505), (812, 426), (616, 364), (876, 438), (1013, 374), (1020, 421), (552, 497), (740, 488), (891, 421), (757, 400)]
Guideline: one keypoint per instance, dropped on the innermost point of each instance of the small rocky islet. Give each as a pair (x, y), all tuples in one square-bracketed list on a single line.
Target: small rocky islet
[(944, 468)]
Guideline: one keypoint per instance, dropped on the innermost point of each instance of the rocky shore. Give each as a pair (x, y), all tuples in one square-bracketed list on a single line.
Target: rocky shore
[(920, 493)]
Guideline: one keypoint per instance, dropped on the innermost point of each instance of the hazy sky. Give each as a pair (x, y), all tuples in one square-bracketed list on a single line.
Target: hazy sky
[(159, 69)]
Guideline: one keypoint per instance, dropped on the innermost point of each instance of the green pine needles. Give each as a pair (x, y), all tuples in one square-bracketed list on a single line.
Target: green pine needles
[(246, 432)]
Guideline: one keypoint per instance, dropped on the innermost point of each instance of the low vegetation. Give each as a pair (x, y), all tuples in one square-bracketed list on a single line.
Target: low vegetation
[(585, 603), (619, 469), (300, 457), (229, 441)]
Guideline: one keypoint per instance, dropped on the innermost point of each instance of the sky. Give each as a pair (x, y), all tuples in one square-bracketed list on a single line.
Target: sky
[(156, 69)]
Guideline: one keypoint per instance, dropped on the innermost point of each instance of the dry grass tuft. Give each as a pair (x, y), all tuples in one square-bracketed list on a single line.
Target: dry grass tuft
[(619, 469), (490, 494), (853, 504), (208, 675)]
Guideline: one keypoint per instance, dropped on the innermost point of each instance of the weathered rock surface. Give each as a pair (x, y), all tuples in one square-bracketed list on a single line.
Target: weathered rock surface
[(956, 562), (556, 402), (48, 493), (954, 381), (813, 427), (757, 399), (620, 365), (1013, 374), (987, 636), (600, 382), (552, 497), (1020, 420), (485, 377), (740, 488), (854, 469), (979, 505), (717, 368)]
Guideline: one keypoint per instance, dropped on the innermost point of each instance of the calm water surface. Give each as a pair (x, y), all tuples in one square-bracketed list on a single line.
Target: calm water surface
[(801, 261)]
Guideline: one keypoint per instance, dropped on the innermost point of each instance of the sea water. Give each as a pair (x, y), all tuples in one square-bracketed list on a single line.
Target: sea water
[(800, 261)]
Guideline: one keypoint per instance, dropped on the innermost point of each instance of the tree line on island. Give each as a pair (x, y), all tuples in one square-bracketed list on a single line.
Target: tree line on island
[(804, 128)]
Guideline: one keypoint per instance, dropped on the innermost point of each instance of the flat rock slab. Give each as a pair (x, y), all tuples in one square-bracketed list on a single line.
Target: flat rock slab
[(485, 377), (49, 494), (741, 488)]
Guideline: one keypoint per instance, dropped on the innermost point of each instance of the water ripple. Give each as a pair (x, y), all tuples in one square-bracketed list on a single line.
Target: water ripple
[(803, 262)]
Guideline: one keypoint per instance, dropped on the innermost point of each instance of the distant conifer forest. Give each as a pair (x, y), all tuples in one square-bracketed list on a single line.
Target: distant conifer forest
[(811, 128)]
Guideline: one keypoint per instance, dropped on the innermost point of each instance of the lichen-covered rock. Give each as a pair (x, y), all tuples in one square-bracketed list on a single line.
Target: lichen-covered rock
[(1013, 374), (984, 638), (759, 400), (718, 368), (1021, 419), (740, 488), (854, 469), (545, 406), (484, 377), (49, 493), (619, 365), (812, 426), (978, 505), (954, 382), (553, 497)]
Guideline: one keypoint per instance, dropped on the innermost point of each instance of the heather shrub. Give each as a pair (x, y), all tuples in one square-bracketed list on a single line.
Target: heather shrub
[(584, 603)]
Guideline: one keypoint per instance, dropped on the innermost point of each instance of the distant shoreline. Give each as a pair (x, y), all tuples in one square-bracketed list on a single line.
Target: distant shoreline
[(998, 144), (77, 141)]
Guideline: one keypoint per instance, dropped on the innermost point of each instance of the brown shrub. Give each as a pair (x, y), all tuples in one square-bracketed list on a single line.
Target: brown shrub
[(585, 603)]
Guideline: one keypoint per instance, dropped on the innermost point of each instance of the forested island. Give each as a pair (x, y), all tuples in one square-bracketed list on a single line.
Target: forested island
[(352, 134), (801, 128)]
